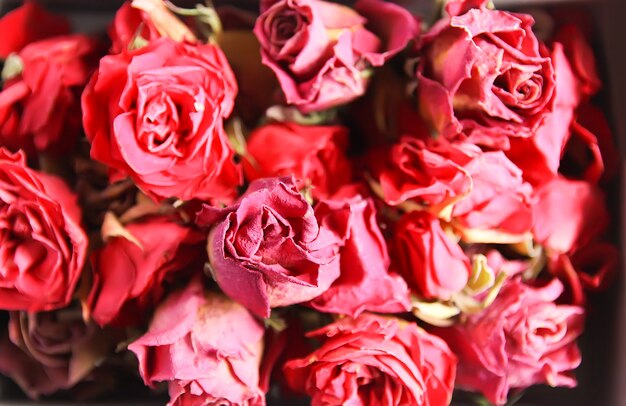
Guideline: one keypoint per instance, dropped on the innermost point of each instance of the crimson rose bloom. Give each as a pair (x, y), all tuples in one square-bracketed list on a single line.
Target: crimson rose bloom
[(315, 154), (156, 114), (42, 246), (523, 338), (375, 360), (269, 249), (432, 263), (320, 50), (365, 283), (40, 105), (131, 269), (29, 23), (206, 346), (484, 74)]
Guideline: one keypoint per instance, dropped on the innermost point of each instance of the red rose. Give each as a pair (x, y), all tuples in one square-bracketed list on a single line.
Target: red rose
[(40, 103), (432, 263), (375, 360), (484, 74), (29, 23), (365, 283), (320, 51), (269, 249), (42, 246), (156, 114), (315, 154), (413, 170), (523, 338), (206, 346), (128, 24), (131, 269), (50, 351)]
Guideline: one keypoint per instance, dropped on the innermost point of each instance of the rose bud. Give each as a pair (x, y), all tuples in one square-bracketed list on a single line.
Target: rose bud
[(375, 360), (40, 100), (156, 114), (365, 283), (131, 270), (130, 25), (29, 23), (433, 264), (206, 346), (522, 339), (42, 245), (315, 154), (320, 51), (269, 250), (484, 75), (51, 351)]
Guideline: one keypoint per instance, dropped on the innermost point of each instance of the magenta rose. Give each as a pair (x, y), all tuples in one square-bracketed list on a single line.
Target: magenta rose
[(132, 269), (365, 282), (522, 339), (375, 360), (207, 347), (483, 74), (269, 249), (156, 114), (320, 51), (432, 263), (42, 245), (47, 352)]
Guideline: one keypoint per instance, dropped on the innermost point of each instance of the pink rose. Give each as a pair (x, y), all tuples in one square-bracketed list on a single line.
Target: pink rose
[(375, 360), (315, 154), (42, 245), (40, 103), (484, 74), (206, 346), (500, 201), (156, 114), (365, 283), (320, 51), (432, 263), (523, 338), (569, 214), (131, 270), (269, 249)]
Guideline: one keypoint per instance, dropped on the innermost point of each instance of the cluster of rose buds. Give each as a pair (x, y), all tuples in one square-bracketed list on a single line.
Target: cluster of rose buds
[(347, 202)]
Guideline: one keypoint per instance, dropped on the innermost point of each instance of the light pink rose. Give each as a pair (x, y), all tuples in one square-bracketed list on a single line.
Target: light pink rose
[(320, 50), (269, 249), (523, 338), (206, 346)]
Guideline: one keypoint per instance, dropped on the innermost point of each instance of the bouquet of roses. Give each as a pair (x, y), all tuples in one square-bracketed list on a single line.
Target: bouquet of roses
[(346, 201)]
